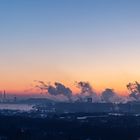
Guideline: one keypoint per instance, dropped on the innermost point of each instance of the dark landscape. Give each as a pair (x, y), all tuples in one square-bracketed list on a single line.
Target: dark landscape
[(67, 127)]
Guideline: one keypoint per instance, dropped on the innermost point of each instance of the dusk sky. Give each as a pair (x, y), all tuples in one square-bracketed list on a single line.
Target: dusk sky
[(69, 40)]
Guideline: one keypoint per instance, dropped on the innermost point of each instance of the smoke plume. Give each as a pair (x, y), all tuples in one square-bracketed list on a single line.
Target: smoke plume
[(134, 89), (59, 90), (108, 95), (85, 88), (86, 91), (56, 89)]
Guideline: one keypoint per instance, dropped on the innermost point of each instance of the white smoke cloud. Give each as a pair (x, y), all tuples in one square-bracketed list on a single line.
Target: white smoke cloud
[(54, 90), (134, 89), (61, 92), (86, 91), (108, 95)]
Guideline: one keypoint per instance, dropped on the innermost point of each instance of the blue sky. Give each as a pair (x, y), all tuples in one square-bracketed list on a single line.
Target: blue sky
[(79, 39)]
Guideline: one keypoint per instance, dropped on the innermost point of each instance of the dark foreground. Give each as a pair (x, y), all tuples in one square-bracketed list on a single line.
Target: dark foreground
[(70, 127)]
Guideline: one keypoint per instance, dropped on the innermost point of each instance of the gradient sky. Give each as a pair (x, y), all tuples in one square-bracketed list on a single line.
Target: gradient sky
[(69, 40)]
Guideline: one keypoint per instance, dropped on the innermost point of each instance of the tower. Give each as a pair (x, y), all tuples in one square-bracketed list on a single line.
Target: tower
[(4, 94)]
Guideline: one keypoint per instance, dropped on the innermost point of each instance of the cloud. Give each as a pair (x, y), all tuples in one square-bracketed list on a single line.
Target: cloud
[(134, 89), (85, 88), (108, 95), (56, 89)]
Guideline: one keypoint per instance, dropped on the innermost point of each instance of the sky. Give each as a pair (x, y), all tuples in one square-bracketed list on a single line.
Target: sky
[(68, 41)]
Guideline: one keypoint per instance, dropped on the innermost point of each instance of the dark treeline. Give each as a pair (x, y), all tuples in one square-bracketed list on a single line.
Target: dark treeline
[(96, 128)]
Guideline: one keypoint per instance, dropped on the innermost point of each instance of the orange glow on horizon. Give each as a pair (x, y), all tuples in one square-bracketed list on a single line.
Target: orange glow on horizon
[(18, 82), (21, 88)]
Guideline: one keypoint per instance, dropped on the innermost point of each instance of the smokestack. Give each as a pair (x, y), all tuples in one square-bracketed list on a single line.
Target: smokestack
[(0, 96), (4, 94), (15, 99)]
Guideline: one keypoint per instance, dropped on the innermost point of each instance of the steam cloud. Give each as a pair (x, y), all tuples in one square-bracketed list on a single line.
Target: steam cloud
[(56, 89), (134, 89), (59, 89), (109, 95), (85, 88), (86, 92)]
